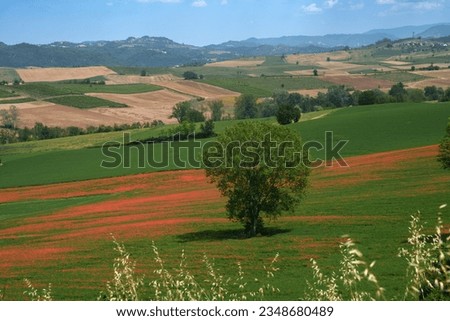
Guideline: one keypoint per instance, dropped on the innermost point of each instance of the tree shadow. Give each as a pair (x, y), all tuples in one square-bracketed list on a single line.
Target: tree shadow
[(231, 234)]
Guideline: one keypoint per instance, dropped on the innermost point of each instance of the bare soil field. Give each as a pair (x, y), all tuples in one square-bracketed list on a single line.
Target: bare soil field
[(237, 63), (314, 59), (142, 107), (57, 115), (439, 78), (309, 92), (58, 74), (196, 89), (133, 79)]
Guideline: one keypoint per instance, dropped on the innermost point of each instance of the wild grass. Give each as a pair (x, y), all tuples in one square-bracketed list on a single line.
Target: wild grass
[(179, 284), (37, 295), (348, 282)]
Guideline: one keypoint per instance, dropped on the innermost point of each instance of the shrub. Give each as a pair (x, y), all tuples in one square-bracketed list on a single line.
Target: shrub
[(444, 149)]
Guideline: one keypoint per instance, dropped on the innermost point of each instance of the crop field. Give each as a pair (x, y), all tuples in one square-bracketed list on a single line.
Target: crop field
[(265, 86), (57, 74), (81, 101)]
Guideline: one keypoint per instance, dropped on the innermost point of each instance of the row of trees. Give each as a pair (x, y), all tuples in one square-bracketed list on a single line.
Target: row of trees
[(11, 133), (287, 107)]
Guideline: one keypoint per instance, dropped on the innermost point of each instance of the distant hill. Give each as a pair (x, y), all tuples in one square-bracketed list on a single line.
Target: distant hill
[(436, 32), (160, 51)]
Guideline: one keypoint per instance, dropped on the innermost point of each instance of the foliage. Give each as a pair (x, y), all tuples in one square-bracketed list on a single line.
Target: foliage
[(190, 75), (216, 107), (9, 117), (415, 95), (256, 179), (398, 92), (433, 93), (444, 149), (267, 108), (184, 111), (207, 129), (245, 107), (287, 115)]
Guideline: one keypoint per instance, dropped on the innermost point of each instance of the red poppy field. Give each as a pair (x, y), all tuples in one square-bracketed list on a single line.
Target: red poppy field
[(62, 233)]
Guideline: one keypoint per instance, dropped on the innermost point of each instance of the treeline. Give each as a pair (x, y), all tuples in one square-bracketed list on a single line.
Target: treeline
[(10, 133), (288, 107)]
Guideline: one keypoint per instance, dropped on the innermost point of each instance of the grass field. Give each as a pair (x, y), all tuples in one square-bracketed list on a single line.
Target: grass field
[(386, 127), (45, 90), (402, 76), (83, 102), (265, 86), (65, 228), (5, 93), (17, 100)]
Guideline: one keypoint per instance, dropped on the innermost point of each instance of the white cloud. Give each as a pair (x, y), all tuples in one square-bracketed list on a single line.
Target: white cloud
[(311, 8), (356, 6), (331, 3), (405, 6), (199, 3)]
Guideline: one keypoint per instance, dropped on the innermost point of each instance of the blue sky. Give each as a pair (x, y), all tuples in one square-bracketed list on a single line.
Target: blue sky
[(202, 22)]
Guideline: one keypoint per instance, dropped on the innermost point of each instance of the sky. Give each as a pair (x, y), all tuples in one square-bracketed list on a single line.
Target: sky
[(203, 22)]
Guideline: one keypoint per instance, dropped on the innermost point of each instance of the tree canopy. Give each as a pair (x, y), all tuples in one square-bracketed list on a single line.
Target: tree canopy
[(261, 171)]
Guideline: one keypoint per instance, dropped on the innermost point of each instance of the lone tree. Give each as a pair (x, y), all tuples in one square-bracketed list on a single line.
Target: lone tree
[(444, 149), (260, 169)]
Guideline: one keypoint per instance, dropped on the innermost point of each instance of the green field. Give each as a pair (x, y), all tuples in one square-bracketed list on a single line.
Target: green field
[(84, 102), (265, 86), (372, 204), (5, 93), (396, 77), (272, 66), (386, 127), (46, 90), (17, 100)]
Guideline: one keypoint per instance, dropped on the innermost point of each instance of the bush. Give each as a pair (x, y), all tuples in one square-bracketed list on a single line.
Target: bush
[(444, 149), (190, 75)]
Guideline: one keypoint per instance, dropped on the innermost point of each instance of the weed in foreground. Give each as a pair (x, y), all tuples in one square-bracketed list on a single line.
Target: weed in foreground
[(348, 282), (38, 295), (181, 285), (428, 258)]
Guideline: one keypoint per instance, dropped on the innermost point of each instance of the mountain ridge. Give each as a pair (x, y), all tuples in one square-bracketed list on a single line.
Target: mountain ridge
[(162, 51)]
